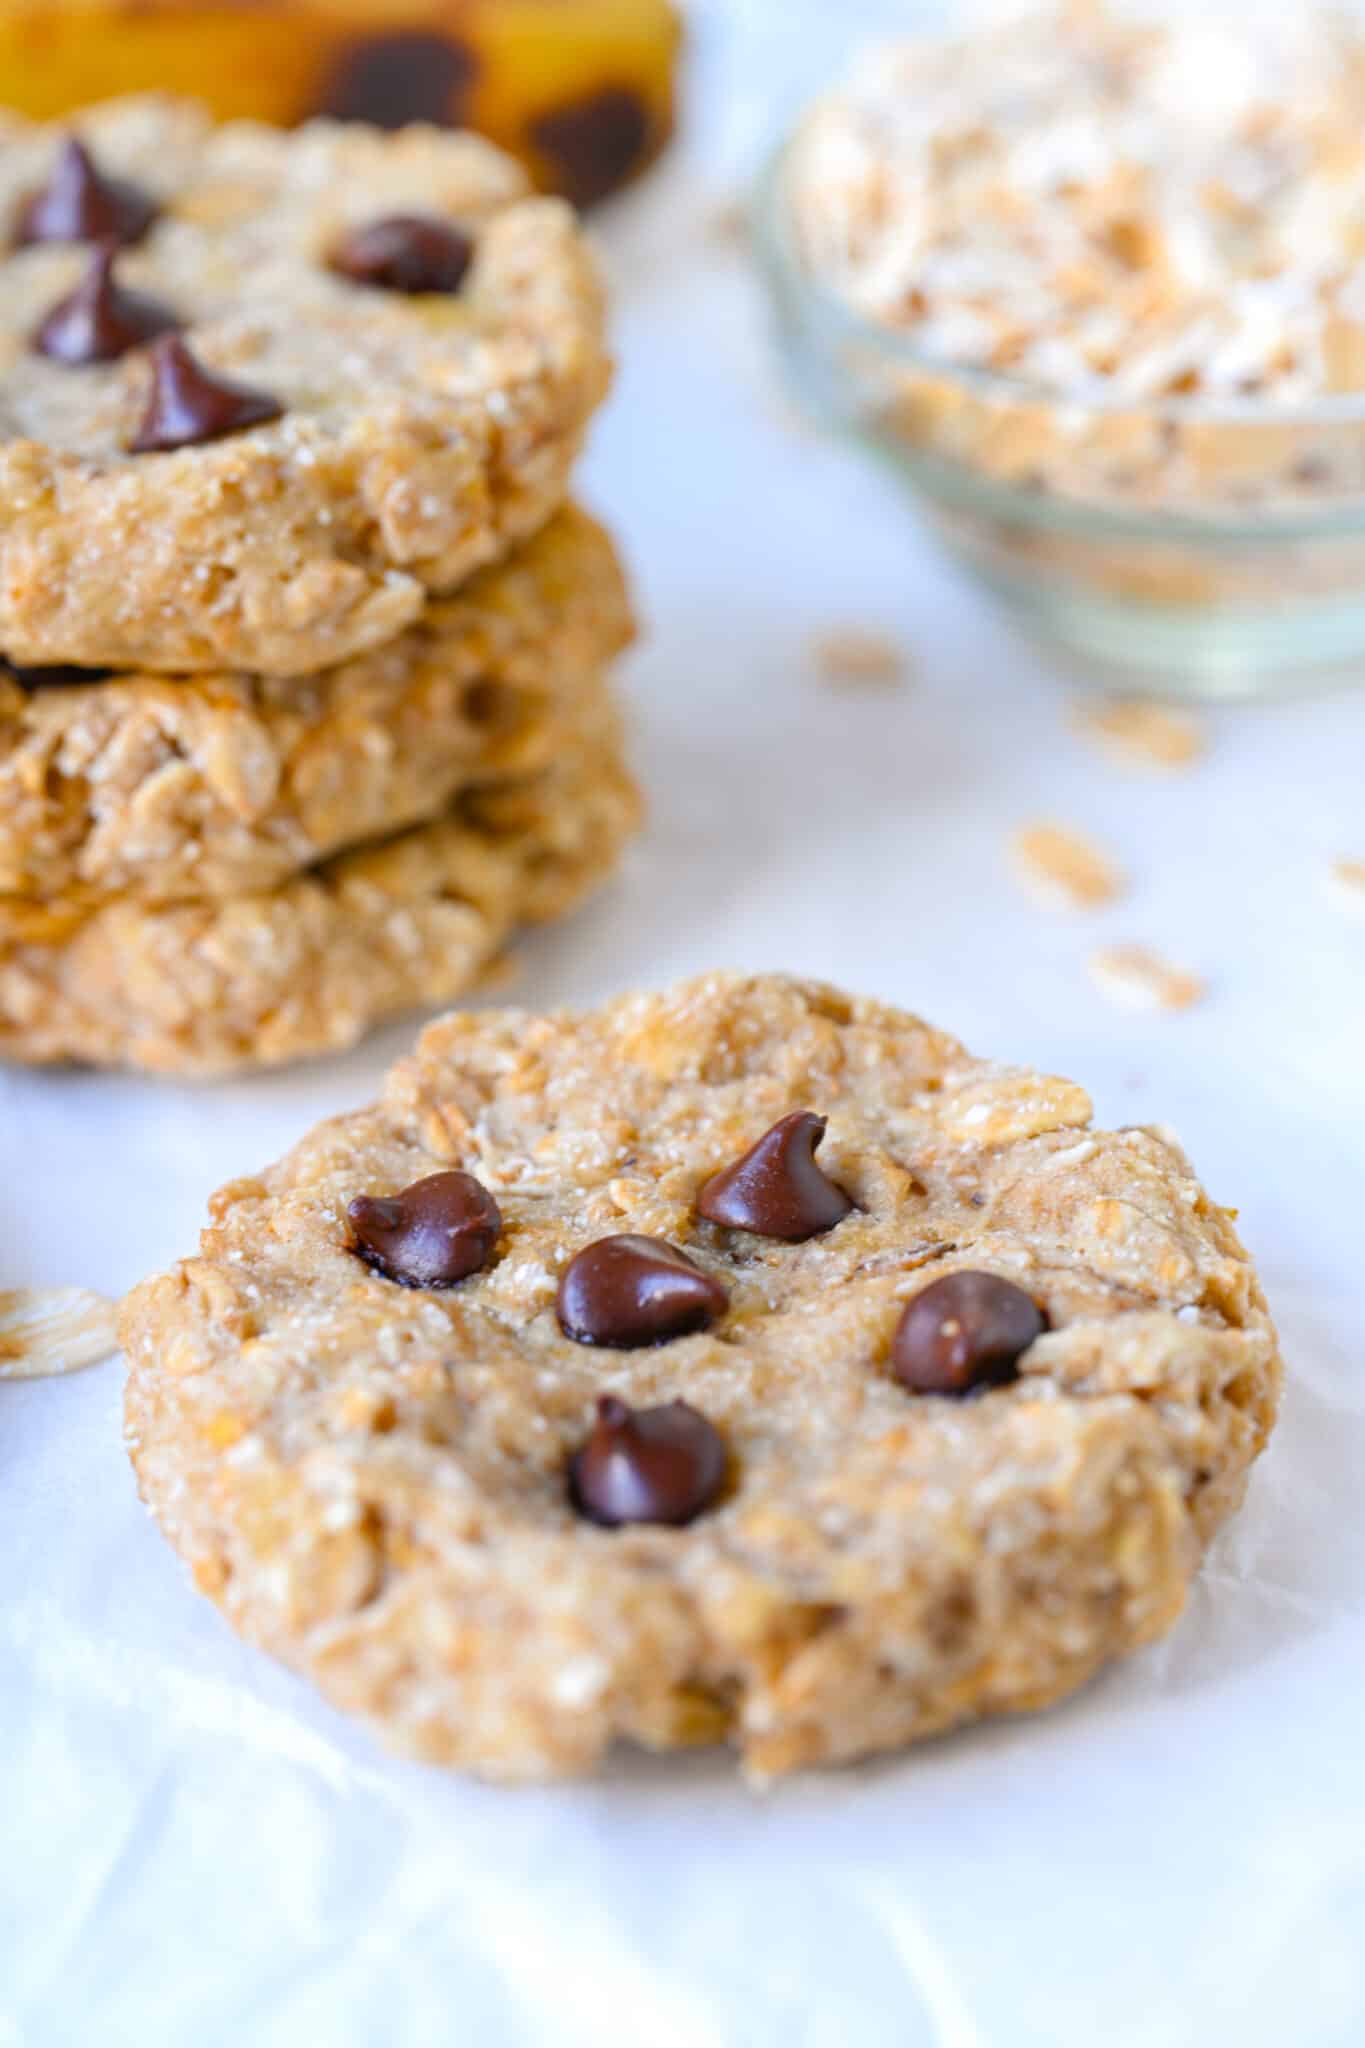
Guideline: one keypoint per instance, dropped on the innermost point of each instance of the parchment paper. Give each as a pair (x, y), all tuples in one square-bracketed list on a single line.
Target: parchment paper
[(195, 1851)]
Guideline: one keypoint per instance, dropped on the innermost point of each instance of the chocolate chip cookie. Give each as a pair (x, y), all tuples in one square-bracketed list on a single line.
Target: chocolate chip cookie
[(206, 987), (742, 1364), (161, 788), (260, 394)]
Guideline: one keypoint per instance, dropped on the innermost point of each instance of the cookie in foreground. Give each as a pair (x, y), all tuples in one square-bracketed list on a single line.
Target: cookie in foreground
[(745, 1364), (261, 393)]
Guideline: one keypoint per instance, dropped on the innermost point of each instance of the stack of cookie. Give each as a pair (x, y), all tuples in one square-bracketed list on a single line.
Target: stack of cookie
[(305, 704)]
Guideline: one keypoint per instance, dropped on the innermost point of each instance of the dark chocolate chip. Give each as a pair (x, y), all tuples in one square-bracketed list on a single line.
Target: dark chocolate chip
[(405, 252), (776, 1189), (647, 1465), (436, 1232), (52, 677), (187, 404), (595, 143), (99, 321), (390, 80), (487, 702), (80, 204), (965, 1331), (627, 1291)]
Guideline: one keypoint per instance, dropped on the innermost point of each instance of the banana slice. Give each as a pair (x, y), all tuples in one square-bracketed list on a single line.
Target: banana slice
[(581, 90)]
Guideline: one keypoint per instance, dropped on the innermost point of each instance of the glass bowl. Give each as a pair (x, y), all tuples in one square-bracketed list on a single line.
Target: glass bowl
[(1180, 548)]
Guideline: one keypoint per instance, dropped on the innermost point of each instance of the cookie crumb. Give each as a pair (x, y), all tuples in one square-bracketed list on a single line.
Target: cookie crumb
[(1140, 978), (1144, 735), (1064, 868), (45, 1331), (1346, 879), (852, 657)]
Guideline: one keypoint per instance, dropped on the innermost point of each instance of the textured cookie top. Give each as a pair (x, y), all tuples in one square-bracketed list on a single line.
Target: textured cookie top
[(384, 1482), (415, 431), (162, 788)]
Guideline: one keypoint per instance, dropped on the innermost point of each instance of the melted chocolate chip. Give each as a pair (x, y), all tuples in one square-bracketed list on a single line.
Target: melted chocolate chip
[(776, 1189), (965, 1331), (628, 1291), (99, 321), (390, 80), (405, 252), (80, 204), (438, 1231), (188, 404), (53, 677), (595, 143), (647, 1465)]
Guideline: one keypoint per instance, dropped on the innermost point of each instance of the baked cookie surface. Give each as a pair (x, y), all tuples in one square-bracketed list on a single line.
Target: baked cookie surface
[(209, 786), (396, 437), (416, 1445), (204, 988)]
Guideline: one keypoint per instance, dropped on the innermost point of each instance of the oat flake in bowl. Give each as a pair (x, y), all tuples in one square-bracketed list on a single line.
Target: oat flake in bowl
[(1098, 285)]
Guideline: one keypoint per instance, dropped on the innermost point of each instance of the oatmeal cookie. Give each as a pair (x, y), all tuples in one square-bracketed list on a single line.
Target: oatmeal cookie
[(372, 359), (609, 1379), (205, 988), (161, 788)]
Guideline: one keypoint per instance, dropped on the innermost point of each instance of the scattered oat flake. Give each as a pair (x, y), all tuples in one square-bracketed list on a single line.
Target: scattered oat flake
[(728, 219), (853, 656), (45, 1331), (1347, 878), (1144, 735), (1063, 867), (1137, 976)]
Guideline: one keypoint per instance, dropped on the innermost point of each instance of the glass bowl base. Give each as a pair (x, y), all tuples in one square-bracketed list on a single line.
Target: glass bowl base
[(1225, 654)]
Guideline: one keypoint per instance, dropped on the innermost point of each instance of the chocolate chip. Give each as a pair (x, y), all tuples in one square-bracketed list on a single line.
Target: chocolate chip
[(53, 676), (390, 80), (487, 702), (595, 143), (405, 252), (647, 1465), (187, 404), (627, 1291), (80, 204), (776, 1189), (965, 1331), (436, 1232), (99, 321)]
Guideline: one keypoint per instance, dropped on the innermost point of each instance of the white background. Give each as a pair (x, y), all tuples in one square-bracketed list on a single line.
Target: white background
[(196, 1852)]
